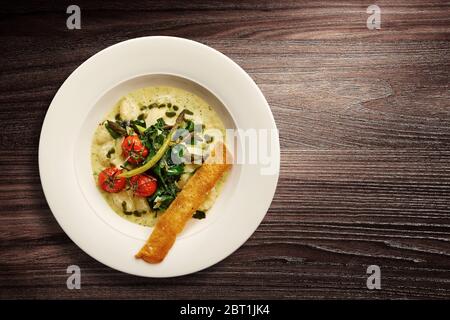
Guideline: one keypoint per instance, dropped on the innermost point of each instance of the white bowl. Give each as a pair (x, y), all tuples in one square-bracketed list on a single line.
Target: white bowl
[(81, 103)]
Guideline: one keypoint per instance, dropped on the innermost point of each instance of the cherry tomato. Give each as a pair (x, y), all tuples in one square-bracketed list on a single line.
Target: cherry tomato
[(108, 180), (133, 150), (143, 185)]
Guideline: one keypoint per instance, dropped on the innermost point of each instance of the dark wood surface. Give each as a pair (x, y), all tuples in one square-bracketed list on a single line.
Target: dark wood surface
[(364, 119)]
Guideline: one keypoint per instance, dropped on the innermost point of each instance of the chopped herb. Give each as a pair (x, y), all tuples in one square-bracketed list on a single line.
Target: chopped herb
[(171, 114), (175, 170), (189, 112), (163, 105), (124, 208), (110, 152), (169, 105), (140, 122), (138, 125), (153, 105), (199, 214), (137, 213), (175, 108), (208, 138), (190, 126), (117, 117), (154, 134), (141, 116), (162, 201), (124, 166)]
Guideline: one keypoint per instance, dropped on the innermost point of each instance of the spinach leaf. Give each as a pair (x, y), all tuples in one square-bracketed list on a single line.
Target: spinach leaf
[(166, 171), (135, 123), (190, 126), (175, 170), (171, 166)]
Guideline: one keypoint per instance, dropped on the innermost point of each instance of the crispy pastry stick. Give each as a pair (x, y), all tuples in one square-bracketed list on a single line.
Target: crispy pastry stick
[(185, 204)]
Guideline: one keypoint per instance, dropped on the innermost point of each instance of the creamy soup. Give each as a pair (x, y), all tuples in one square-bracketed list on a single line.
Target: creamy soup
[(153, 109)]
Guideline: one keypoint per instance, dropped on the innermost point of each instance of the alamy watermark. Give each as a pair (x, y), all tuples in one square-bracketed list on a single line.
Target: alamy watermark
[(74, 20), (374, 280), (374, 20), (245, 146), (74, 280)]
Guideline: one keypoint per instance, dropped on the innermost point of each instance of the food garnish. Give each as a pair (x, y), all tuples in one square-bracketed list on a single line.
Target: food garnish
[(159, 154)]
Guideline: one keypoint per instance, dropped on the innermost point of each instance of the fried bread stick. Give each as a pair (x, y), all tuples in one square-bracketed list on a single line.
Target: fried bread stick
[(185, 204)]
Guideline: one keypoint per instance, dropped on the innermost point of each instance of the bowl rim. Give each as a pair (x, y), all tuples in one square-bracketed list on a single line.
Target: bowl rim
[(66, 91)]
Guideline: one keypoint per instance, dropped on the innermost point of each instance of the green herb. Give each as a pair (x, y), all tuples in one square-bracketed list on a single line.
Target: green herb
[(137, 213), (188, 112), (117, 117), (190, 126), (138, 126), (208, 138), (175, 170), (153, 137), (110, 152), (124, 208), (169, 105), (163, 105), (153, 105), (140, 122), (167, 171), (160, 123), (171, 114), (124, 166), (163, 200), (199, 214), (153, 157), (141, 116), (166, 160), (175, 108)]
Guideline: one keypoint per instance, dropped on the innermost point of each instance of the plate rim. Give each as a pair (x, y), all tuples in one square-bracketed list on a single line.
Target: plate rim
[(46, 189)]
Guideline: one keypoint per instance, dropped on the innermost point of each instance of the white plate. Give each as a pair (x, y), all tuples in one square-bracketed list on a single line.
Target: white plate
[(80, 104)]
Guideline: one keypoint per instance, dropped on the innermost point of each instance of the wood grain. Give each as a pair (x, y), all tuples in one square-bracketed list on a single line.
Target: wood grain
[(364, 128)]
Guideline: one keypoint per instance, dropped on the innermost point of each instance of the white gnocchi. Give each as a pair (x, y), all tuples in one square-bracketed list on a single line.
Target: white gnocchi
[(129, 109)]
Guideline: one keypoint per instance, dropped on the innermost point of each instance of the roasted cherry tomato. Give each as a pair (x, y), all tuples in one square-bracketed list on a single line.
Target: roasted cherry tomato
[(143, 185), (109, 181), (133, 150)]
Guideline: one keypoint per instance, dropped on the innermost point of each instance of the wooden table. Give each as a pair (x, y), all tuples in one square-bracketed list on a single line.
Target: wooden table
[(364, 120)]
